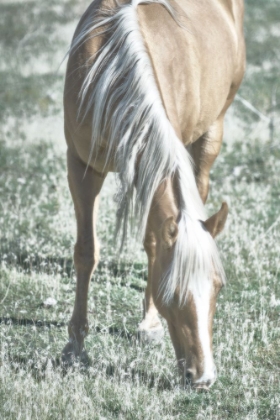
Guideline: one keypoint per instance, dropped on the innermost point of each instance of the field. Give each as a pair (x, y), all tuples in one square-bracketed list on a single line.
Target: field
[(125, 378)]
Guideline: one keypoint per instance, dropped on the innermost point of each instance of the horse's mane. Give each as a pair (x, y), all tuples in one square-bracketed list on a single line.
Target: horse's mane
[(120, 92)]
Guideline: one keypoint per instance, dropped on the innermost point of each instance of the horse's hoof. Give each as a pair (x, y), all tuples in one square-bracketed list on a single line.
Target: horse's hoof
[(71, 354), (151, 335)]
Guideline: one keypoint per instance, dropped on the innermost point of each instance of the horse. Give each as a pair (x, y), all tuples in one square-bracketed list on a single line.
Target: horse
[(147, 86)]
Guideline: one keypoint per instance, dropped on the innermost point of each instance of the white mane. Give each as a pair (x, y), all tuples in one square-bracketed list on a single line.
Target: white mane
[(120, 92)]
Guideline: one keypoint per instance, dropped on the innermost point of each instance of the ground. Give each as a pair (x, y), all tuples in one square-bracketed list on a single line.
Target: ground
[(125, 378)]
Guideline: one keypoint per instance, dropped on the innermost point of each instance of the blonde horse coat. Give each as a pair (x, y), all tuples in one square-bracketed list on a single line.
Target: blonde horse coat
[(143, 82)]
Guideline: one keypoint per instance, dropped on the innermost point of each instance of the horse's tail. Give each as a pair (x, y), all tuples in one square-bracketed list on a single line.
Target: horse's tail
[(121, 93)]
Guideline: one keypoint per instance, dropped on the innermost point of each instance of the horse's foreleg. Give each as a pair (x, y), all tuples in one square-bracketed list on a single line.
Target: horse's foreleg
[(204, 152), (85, 185), (150, 328)]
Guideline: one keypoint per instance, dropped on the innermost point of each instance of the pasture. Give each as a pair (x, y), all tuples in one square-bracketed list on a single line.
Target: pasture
[(125, 379)]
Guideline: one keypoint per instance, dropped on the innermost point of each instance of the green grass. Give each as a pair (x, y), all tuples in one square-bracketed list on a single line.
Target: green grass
[(125, 379)]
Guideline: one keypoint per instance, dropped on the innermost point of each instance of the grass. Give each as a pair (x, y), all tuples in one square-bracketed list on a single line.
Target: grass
[(125, 379)]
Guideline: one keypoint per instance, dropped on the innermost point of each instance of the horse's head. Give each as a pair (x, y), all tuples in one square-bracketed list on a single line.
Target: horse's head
[(189, 320)]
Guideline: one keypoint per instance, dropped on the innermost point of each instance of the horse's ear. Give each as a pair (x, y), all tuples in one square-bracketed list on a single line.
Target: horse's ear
[(169, 232), (215, 224)]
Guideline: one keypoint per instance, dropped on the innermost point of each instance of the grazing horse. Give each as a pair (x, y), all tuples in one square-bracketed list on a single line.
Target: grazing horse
[(147, 87)]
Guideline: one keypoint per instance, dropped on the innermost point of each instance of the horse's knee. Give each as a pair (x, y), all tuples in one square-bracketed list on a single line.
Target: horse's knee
[(86, 255)]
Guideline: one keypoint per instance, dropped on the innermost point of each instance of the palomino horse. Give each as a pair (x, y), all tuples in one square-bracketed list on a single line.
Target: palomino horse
[(146, 91)]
